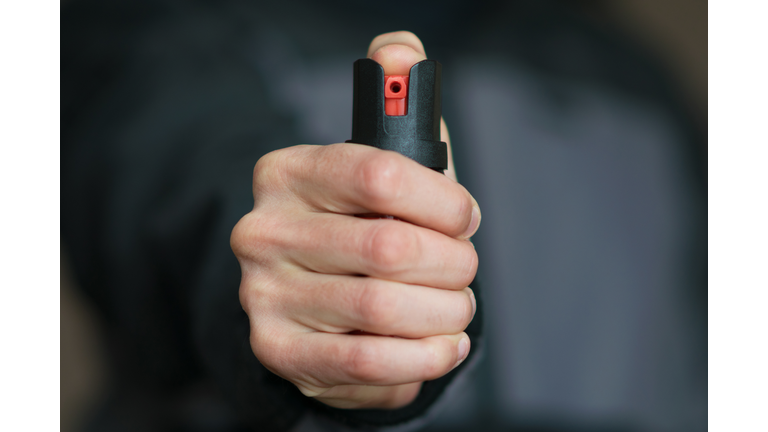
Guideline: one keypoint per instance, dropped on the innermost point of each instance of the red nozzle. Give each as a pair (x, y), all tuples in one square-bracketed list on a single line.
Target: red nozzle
[(395, 94)]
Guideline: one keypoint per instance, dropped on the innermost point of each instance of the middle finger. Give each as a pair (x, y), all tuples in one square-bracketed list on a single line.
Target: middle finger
[(382, 248)]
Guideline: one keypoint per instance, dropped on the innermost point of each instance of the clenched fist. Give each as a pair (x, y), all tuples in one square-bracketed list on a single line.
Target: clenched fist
[(358, 312)]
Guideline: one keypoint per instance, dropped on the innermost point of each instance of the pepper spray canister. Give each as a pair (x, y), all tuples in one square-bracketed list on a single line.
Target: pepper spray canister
[(400, 113)]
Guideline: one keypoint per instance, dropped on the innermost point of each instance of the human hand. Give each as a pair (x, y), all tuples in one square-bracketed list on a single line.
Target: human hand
[(357, 312)]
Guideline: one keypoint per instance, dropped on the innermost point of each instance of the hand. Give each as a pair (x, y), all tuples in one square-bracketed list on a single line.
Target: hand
[(356, 312)]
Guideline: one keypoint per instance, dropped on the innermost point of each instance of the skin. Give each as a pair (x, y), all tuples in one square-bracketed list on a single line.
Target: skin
[(356, 312)]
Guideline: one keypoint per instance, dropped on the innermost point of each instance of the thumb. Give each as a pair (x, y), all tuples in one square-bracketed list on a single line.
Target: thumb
[(396, 52)]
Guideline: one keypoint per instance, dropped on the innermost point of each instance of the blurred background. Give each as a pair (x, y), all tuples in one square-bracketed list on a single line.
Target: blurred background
[(674, 33)]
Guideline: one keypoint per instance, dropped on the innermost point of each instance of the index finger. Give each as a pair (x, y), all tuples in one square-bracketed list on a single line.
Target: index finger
[(357, 179)]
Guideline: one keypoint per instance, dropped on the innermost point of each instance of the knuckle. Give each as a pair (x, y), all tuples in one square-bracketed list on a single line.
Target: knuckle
[(460, 314), (390, 247), (257, 233), (269, 348), (246, 232), (246, 293), (362, 363), (275, 169), (434, 361), (376, 307), (441, 358), (257, 295), (265, 167), (379, 178), (238, 237), (280, 353)]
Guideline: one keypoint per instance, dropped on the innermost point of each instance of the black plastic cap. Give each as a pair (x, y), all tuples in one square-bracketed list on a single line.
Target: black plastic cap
[(415, 134)]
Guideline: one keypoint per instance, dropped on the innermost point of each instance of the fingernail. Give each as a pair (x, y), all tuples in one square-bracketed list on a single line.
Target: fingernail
[(474, 223), (463, 350)]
